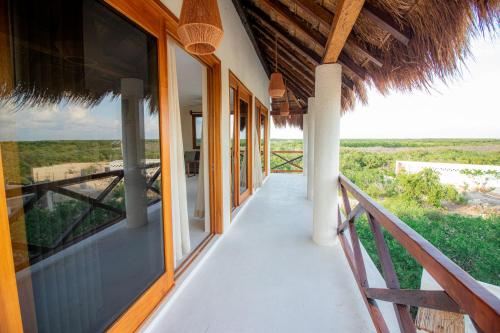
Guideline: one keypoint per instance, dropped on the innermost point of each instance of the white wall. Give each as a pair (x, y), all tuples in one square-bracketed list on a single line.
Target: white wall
[(187, 127), (238, 55)]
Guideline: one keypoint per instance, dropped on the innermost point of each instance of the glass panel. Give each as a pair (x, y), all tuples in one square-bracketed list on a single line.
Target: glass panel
[(79, 139), (232, 95), (243, 146), (198, 125), (262, 139)]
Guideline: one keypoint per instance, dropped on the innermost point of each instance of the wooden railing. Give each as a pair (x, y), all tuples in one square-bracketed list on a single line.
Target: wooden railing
[(462, 293), (288, 161), (33, 193)]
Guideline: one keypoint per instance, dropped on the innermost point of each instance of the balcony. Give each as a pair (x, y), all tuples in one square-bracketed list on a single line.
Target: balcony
[(267, 275)]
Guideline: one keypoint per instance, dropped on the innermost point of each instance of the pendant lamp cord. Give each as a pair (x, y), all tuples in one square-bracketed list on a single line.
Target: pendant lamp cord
[(276, 53)]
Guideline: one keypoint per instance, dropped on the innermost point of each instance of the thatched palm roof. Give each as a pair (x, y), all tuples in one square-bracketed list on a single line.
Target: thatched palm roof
[(394, 44), (63, 50)]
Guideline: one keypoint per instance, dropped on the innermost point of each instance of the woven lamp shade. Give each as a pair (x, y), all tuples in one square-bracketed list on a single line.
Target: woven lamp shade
[(276, 86), (200, 27), (285, 109)]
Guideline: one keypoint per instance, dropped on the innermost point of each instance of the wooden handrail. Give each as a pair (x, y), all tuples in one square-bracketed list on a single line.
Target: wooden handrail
[(287, 161), (470, 296), (65, 239)]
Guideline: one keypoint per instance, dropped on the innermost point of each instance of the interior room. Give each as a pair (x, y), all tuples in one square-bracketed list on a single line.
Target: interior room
[(191, 78)]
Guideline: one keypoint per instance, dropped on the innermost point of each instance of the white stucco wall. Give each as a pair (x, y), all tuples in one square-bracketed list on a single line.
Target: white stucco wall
[(238, 55)]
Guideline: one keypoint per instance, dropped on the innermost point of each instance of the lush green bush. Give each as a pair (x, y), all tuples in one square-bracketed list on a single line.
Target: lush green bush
[(471, 242), (425, 188)]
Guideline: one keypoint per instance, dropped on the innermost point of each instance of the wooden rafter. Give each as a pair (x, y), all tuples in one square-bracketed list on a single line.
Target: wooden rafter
[(386, 22), (266, 40), (273, 29), (325, 17), (314, 35), (346, 14), (381, 18), (284, 59)]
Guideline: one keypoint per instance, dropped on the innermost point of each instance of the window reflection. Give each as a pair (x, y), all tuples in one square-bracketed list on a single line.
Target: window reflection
[(232, 102), (243, 146), (79, 140)]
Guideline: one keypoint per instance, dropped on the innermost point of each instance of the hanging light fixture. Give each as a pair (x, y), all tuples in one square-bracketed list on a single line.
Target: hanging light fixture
[(200, 27), (276, 84), (285, 106)]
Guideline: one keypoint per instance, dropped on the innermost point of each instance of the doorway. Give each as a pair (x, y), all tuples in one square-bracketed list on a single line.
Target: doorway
[(240, 122)]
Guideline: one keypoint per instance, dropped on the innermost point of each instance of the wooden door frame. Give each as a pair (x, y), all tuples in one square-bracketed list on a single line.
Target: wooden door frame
[(242, 93), (263, 113), (156, 19)]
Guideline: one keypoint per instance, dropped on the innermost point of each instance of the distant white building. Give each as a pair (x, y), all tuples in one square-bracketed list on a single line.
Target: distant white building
[(473, 176)]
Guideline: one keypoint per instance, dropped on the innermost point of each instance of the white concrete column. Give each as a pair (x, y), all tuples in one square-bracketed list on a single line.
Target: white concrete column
[(134, 155), (310, 148), (305, 133), (326, 153)]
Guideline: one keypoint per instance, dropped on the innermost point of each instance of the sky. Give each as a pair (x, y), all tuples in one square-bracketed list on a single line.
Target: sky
[(468, 107)]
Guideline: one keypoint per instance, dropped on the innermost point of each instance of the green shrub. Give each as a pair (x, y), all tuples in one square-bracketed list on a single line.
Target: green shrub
[(425, 188)]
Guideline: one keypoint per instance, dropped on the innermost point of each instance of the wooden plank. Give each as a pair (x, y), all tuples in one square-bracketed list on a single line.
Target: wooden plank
[(432, 299), (371, 305), (375, 59), (296, 21), (356, 247), (475, 299), (391, 279), (386, 22), (346, 14), (351, 217), (315, 10)]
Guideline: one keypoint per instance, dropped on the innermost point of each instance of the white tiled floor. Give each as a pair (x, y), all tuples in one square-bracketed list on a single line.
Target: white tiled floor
[(266, 275)]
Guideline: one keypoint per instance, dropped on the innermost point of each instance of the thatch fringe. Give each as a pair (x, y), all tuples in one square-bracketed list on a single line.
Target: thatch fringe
[(441, 34), (288, 121)]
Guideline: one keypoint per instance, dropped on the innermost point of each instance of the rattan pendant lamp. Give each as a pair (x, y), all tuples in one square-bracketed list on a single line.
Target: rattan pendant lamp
[(285, 106), (276, 85), (200, 27)]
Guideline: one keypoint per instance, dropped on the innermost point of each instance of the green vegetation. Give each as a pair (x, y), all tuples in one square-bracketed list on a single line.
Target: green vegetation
[(420, 201), (33, 154)]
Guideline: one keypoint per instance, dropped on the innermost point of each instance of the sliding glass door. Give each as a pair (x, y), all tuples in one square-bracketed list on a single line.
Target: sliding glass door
[(240, 141), (262, 119), (81, 142)]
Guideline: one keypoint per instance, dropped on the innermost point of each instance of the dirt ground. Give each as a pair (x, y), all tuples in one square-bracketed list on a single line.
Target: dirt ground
[(485, 148), (479, 204)]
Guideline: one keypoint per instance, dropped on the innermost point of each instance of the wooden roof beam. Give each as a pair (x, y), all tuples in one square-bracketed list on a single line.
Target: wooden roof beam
[(264, 38), (314, 35), (381, 18), (326, 18), (282, 63), (346, 14), (386, 22), (288, 58), (274, 29)]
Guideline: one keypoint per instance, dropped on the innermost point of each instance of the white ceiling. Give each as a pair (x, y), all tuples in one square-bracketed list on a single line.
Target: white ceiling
[(189, 76)]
